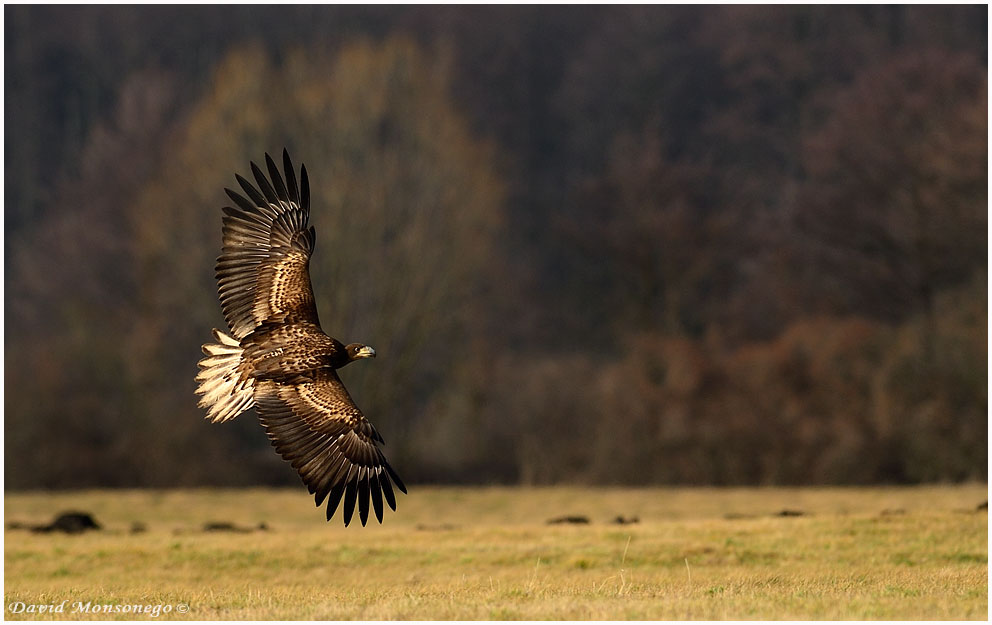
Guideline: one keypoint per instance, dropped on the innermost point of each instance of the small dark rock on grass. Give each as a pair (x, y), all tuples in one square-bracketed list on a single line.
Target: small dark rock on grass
[(225, 526), (69, 522), (577, 520), (443, 527)]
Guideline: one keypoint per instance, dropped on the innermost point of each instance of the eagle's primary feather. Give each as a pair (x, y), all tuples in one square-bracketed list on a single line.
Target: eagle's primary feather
[(278, 359)]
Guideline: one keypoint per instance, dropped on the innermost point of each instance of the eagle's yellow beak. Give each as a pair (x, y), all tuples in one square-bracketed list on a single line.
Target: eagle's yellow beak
[(365, 352)]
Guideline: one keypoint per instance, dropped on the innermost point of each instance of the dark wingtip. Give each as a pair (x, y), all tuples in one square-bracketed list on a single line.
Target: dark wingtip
[(305, 188), (376, 436), (396, 478), (250, 190), (350, 494), (242, 202), (376, 491), (387, 491), (263, 184), (287, 166), (334, 499), (363, 500), (281, 191), (270, 164)]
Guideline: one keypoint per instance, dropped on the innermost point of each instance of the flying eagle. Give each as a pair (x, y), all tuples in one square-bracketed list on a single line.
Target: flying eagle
[(278, 359)]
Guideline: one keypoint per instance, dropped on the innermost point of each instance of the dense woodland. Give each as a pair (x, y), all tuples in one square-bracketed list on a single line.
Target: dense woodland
[(623, 245)]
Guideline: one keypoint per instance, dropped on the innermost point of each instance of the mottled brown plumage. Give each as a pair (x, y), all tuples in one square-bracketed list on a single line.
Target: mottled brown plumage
[(278, 359)]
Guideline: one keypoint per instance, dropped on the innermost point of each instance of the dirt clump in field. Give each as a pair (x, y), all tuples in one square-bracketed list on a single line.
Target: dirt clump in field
[(69, 522), (226, 526)]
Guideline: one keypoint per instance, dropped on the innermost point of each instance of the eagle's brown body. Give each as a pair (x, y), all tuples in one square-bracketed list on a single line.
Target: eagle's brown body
[(283, 350), (279, 360)]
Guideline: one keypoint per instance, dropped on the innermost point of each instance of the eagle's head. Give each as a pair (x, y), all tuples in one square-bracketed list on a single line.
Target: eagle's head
[(357, 350)]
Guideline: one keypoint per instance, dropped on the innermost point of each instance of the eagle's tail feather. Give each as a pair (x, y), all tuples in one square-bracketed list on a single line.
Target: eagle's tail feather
[(227, 389)]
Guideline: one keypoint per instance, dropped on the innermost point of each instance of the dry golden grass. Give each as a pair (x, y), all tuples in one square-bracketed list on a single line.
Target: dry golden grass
[(468, 553)]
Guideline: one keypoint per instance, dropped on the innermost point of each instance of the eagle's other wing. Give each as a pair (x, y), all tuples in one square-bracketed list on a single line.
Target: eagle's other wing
[(315, 425), (263, 270)]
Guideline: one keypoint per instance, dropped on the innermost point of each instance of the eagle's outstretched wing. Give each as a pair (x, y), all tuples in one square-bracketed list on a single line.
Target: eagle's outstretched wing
[(315, 425), (263, 270)]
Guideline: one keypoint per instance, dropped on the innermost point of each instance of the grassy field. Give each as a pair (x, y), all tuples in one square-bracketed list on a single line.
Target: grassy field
[(487, 553)]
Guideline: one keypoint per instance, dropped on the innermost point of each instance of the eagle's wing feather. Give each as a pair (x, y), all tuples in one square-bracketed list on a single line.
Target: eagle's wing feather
[(315, 425), (263, 271)]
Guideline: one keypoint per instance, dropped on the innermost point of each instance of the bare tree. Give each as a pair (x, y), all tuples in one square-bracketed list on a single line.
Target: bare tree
[(895, 205)]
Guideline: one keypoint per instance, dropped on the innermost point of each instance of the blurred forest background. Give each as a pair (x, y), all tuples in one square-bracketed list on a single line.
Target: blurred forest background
[(624, 245)]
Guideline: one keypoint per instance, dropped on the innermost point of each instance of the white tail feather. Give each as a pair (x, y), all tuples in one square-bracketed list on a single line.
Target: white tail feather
[(226, 387)]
